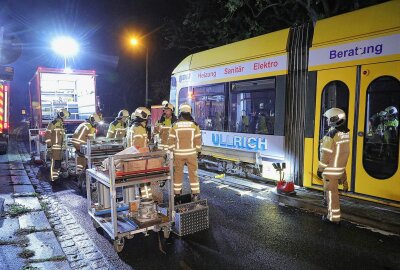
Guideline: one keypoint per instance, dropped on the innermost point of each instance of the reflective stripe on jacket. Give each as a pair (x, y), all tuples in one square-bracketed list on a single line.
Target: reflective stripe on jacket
[(185, 138), (54, 135), (82, 133), (137, 136), (334, 153), (163, 128), (116, 130)]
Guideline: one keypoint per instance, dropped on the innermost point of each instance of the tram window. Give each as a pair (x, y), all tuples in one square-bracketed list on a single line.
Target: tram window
[(183, 96), (209, 106), (252, 106), (381, 140), (334, 95)]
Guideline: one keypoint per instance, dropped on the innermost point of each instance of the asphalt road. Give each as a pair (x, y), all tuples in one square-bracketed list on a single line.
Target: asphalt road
[(247, 233)]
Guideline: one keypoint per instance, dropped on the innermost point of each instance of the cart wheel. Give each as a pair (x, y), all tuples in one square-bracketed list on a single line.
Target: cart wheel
[(119, 244), (167, 233)]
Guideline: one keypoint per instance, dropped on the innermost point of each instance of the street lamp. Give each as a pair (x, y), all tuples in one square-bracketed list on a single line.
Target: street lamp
[(135, 42), (66, 47)]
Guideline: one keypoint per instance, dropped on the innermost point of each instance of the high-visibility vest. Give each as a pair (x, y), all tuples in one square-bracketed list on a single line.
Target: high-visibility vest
[(185, 138), (82, 133), (54, 135), (334, 153), (137, 136), (116, 130)]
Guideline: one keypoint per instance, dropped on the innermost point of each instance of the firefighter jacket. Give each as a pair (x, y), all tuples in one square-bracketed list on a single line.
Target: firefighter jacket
[(185, 138), (137, 135), (162, 128), (82, 133), (334, 152), (116, 130), (55, 134)]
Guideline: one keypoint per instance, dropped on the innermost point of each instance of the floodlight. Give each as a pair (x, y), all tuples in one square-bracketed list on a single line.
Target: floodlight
[(65, 46)]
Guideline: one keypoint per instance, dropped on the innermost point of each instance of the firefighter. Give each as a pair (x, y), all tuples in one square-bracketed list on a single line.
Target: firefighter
[(334, 153), (54, 139), (117, 128), (137, 137), (185, 142), (83, 132), (164, 125), (391, 123), (390, 132), (137, 134)]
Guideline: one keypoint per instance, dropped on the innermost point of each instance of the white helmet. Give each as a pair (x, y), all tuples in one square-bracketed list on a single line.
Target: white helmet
[(336, 117), (168, 106), (185, 108), (164, 103), (63, 114), (94, 118), (142, 113), (391, 112), (123, 113)]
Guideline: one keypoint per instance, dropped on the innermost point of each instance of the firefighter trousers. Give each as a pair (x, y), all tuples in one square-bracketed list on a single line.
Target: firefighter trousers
[(332, 198), (80, 162), (55, 167), (179, 163)]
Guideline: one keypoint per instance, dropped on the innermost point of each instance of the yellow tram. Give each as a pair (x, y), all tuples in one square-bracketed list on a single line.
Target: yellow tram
[(261, 100)]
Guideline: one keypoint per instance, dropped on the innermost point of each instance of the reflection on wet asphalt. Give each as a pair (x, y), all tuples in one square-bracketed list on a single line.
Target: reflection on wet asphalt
[(247, 233)]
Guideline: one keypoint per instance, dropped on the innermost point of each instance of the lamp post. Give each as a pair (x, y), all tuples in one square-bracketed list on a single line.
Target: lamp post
[(135, 42), (66, 47)]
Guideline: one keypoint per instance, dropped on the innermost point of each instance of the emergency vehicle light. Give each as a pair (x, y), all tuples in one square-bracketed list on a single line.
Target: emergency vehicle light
[(6, 107)]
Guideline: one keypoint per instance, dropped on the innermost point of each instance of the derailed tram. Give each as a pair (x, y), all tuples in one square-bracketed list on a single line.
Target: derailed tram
[(262, 100)]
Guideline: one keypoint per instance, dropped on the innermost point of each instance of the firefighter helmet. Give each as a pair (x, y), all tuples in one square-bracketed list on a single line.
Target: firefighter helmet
[(141, 113), (336, 117), (123, 113), (391, 112), (185, 108), (63, 114), (169, 106), (95, 118)]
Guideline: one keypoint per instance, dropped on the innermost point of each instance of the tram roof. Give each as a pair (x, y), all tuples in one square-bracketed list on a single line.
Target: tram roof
[(256, 47), (359, 24)]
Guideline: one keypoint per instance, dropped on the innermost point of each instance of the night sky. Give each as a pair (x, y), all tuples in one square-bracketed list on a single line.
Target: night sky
[(101, 27)]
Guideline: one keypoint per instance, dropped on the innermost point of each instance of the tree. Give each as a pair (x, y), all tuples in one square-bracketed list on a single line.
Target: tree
[(203, 24)]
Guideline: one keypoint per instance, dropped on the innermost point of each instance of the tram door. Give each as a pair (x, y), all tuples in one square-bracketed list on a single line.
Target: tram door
[(335, 88), (377, 161)]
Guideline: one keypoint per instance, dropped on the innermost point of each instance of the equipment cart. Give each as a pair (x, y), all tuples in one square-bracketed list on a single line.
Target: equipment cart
[(118, 219), (95, 152)]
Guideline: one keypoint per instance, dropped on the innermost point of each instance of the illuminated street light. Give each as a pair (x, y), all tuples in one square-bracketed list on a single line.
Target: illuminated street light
[(135, 42), (66, 47)]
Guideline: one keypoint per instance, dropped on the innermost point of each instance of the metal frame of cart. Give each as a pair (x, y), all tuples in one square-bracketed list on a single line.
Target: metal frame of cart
[(113, 182)]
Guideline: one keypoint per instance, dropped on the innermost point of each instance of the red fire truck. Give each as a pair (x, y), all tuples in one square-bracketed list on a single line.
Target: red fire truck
[(4, 115), (53, 89)]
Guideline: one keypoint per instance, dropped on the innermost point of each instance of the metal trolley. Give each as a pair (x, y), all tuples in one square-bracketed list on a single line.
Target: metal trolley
[(115, 220), (95, 152)]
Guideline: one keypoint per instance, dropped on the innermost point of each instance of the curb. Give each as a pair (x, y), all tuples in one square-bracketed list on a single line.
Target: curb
[(79, 250)]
